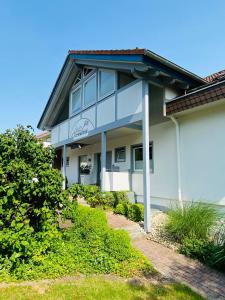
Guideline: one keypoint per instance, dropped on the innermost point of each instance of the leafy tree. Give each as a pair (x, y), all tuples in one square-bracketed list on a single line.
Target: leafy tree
[(30, 196)]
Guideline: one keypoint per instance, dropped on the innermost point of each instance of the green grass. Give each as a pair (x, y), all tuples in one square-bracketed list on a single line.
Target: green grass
[(194, 221), (100, 288)]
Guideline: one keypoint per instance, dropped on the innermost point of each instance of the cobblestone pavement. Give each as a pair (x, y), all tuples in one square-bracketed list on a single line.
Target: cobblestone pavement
[(202, 279)]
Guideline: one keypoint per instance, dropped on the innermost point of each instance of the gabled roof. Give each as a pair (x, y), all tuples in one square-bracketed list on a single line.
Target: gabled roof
[(109, 52), (141, 62)]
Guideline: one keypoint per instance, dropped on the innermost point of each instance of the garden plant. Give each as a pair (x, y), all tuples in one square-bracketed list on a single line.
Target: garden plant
[(200, 231), (32, 245)]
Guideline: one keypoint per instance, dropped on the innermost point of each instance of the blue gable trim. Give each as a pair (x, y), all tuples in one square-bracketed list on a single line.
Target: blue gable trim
[(122, 57), (136, 58)]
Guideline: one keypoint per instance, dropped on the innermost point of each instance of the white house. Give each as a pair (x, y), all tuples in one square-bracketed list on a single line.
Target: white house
[(132, 120)]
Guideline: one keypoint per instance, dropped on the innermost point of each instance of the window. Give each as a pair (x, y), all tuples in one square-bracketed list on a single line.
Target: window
[(120, 154), (87, 71), (78, 78), (67, 161), (84, 165), (90, 91), (138, 158), (76, 101), (124, 79), (106, 82)]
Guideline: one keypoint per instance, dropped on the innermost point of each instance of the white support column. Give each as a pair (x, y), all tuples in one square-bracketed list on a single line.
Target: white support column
[(103, 160), (146, 167), (64, 165)]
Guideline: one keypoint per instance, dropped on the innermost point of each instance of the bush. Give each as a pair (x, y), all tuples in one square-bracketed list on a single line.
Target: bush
[(194, 221), (107, 199), (76, 190), (30, 197), (120, 197), (95, 197), (90, 246), (86, 191), (121, 209), (136, 212), (202, 250)]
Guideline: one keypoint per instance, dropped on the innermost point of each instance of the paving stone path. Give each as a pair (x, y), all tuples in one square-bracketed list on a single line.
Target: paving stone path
[(207, 282)]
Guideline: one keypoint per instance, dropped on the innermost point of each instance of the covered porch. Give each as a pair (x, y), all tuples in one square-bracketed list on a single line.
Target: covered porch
[(98, 159)]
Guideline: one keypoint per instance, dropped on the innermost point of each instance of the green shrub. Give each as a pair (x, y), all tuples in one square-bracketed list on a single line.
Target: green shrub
[(90, 246), (81, 190), (95, 197), (90, 191), (202, 250), (120, 197), (194, 221), (107, 199), (76, 190), (136, 212), (122, 209), (30, 197)]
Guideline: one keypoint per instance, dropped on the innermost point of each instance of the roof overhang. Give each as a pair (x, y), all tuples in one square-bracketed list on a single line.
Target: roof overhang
[(141, 63), (201, 96)]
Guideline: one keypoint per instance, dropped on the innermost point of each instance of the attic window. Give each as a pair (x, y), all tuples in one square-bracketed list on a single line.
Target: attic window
[(78, 78), (106, 82), (87, 71)]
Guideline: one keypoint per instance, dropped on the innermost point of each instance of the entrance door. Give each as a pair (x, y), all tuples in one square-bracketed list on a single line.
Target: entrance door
[(84, 166), (57, 163), (108, 165)]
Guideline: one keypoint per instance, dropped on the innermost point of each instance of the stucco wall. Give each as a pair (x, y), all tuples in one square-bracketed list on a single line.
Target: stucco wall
[(202, 159), (164, 178), (203, 155)]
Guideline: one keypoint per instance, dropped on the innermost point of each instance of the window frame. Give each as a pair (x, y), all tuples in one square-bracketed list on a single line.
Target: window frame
[(151, 165), (72, 113), (100, 97), (118, 149), (94, 75)]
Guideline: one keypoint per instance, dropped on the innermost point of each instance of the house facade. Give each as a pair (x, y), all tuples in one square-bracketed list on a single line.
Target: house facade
[(132, 120)]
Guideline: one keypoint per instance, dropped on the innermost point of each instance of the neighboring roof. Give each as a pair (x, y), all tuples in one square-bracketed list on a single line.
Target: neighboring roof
[(43, 135), (135, 56), (200, 96), (215, 76)]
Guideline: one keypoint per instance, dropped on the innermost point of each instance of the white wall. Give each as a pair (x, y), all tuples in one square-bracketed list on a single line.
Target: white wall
[(203, 155), (129, 101), (72, 170), (202, 159), (164, 178), (64, 131), (106, 111), (118, 181)]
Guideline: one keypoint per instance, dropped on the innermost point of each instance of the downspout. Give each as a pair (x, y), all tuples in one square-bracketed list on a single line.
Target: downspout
[(179, 184)]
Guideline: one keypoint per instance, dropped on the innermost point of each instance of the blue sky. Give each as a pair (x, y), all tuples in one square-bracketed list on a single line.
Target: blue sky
[(36, 35)]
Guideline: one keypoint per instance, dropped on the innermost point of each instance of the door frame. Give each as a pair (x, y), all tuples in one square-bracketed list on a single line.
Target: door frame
[(98, 166)]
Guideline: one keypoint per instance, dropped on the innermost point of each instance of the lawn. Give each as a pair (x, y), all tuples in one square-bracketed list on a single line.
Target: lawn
[(97, 287)]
